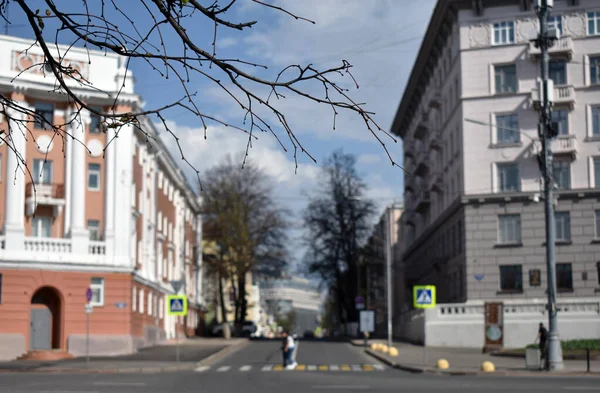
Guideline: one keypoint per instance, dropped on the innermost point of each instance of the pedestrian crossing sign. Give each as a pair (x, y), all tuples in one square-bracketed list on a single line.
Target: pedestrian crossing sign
[(424, 296), (177, 305)]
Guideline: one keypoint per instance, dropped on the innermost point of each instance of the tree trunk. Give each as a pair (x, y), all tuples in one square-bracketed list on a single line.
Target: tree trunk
[(236, 301), (224, 324), (242, 302)]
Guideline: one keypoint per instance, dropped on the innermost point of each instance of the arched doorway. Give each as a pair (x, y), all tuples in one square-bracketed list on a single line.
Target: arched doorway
[(45, 319)]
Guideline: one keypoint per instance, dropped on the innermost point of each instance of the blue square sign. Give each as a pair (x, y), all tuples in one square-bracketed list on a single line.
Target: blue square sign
[(424, 296)]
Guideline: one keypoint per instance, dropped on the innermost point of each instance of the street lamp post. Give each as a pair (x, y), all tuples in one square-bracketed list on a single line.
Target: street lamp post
[(388, 263)]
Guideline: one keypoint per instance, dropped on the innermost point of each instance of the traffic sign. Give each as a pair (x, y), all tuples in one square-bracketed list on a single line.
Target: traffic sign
[(359, 303), (177, 284), (177, 305), (424, 296), (120, 305), (367, 321), (89, 294), (89, 308)]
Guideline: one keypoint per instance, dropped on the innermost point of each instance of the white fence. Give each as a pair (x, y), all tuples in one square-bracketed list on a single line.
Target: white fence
[(462, 324)]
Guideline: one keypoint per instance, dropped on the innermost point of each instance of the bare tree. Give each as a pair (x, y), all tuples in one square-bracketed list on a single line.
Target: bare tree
[(104, 25), (337, 219), (247, 224)]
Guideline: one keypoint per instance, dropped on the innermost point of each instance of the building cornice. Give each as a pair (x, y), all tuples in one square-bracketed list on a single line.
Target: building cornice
[(63, 48), (444, 13)]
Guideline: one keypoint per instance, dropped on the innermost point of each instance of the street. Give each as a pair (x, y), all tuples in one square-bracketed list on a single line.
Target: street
[(253, 369)]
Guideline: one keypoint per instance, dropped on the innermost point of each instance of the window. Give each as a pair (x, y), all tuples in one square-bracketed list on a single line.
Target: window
[(555, 22), (41, 226), (133, 298), (595, 70), (509, 228), (562, 221), (506, 78), (511, 278), (96, 123), (44, 115), (159, 222), (93, 227), (141, 298), (564, 277), (161, 307), (42, 171), (507, 129), (97, 286), (593, 23), (94, 177), (150, 303), (504, 33), (509, 179), (558, 72), (560, 117), (562, 174), (597, 223), (596, 121)]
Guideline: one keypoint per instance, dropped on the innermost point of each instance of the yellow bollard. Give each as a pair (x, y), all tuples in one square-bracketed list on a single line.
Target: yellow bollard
[(384, 348), (393, 351), (374, 347), (488, 367), (443, 364)]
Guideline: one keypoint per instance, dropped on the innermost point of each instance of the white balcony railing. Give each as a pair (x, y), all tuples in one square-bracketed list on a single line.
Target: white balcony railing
[(563, 95), (48, 244), (564, 144), (562, 47), (97, 248)]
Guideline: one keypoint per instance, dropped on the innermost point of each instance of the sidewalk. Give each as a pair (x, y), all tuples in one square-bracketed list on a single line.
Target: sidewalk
[(415, 358), (161, 358)]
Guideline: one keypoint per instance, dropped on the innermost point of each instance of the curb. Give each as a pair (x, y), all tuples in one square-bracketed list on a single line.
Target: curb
[(433, 371), (143, 370), (188, 366)]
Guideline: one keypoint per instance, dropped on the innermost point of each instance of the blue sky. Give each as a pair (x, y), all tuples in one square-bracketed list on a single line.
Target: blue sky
[(379, 37)]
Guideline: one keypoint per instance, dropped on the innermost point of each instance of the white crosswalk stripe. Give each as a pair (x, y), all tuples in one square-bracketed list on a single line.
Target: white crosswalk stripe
[(303, 367)]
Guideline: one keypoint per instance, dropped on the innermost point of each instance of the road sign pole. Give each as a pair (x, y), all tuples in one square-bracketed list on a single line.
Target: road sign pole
[(176, 340), (87, 339)]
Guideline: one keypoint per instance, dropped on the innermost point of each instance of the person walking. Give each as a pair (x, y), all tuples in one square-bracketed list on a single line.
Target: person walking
[(542, 337), (288, 347)]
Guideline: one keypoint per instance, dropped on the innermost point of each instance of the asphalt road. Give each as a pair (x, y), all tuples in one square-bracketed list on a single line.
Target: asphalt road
[(254, 380)]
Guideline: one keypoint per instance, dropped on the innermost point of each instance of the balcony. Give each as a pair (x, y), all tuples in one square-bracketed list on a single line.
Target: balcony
[(563, 48), (423, 200), (436, 181), (434, 142), (422, 126), (422, 167), (563, 96), (44, 195), (435, 100), (563, 145)]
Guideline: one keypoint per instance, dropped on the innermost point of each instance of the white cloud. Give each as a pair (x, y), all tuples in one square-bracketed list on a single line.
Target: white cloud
[(369, 159)]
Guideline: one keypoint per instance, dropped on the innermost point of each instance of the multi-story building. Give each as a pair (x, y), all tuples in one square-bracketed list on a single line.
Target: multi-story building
[(294, 294), (468, 118), (375, 268), (111, 214)]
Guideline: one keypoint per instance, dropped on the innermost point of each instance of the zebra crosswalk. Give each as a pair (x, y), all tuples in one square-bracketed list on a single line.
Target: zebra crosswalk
[(299, 367)]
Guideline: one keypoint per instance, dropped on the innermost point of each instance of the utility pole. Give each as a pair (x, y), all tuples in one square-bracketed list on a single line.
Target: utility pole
[(547, 131), (388, 263)]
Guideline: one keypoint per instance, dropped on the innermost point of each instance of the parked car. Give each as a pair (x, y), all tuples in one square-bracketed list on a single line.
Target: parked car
[(249, 329)]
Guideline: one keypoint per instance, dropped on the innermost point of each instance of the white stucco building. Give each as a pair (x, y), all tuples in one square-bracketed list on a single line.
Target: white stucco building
[(474, 224), (114, 215)]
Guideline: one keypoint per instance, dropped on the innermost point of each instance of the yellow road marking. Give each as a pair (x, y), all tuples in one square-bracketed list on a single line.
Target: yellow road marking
[(368, 367), (279, 367), (345, 367), (301, 367), (323, 367)]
